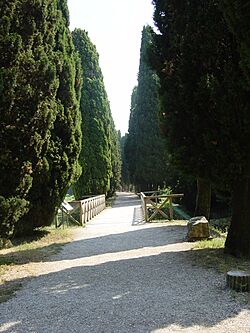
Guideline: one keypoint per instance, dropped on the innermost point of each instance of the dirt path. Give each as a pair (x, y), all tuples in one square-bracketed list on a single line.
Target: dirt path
[(122, 276)]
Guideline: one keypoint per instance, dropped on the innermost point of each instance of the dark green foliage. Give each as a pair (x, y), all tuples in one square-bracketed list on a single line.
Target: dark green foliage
[(237, 14), (11, 209), (116, 159), (40, 128), (99, 142), (130, 148), (124, 171), (188, 69), (144, 148), (115, 181), (205, 113), (185, 66)]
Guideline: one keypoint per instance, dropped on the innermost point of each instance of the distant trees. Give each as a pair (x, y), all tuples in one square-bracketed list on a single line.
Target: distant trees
[(204, 110), (124, 170), (144, 149), (100, 156), (40, 122), (116, 160)]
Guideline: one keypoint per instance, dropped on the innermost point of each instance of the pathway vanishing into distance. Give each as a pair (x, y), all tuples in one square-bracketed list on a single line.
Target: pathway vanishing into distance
[(119, 275)]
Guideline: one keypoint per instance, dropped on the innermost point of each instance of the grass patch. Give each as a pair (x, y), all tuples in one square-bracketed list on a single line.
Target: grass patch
[(210, 253), (215, 243), (36, 248), (216, 258), (39, 247)]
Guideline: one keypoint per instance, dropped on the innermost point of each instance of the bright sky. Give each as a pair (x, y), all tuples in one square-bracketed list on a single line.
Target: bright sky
[(115, 26)]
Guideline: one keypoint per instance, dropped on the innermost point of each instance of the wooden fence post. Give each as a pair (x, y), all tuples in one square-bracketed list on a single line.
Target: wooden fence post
[(171, 212)]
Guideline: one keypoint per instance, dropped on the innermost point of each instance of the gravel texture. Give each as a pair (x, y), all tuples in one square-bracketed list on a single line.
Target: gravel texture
[(120, 275)]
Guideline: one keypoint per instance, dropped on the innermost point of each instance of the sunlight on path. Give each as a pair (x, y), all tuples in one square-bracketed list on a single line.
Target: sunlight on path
[(121, 277)]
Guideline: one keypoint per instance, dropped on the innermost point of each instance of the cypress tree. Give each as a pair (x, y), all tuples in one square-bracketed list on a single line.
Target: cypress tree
[(97, 125), (146, 157), (15, 165), (237, 86), (237, 15), (190, 54), (39, 91), (124, 171), (130, 141), (205, 112)]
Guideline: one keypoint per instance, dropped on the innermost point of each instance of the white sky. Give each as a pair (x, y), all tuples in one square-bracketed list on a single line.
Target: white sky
[(115, 26)]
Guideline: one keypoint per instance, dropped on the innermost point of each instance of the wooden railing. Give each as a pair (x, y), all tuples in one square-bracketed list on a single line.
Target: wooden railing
[(89, 207), (157, 203)]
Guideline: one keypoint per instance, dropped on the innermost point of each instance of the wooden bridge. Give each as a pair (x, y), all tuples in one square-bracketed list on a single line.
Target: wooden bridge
[(88, 206)]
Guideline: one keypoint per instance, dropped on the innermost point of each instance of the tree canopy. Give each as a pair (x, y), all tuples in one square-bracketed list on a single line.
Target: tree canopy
[(203, 98), (99, 158), (144, 147), (40, 120)]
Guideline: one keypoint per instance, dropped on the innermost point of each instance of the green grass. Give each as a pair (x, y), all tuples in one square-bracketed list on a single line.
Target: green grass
[(210, 253), (215, 243), (37, 248)]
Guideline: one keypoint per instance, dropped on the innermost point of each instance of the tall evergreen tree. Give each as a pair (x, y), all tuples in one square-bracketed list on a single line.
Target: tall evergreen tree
[(130, 142), (190, 54), (97, 126), (146, 153), (237, 14), (203, 105), (40, 118), (15, 166)]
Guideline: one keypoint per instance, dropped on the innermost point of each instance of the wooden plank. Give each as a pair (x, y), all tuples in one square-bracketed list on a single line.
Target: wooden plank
[(152, 201)]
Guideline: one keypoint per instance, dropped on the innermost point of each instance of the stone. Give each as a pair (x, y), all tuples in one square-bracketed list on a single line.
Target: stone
[(198, 229)]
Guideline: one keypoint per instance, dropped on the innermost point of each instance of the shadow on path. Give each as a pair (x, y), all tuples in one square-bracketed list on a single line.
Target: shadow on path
[(117, 242), (136, 281), (132, 295)]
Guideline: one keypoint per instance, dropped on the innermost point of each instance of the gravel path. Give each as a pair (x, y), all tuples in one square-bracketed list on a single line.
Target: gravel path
[(122, 276)]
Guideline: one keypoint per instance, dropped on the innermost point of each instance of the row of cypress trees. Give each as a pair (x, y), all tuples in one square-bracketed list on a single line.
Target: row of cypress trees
[(44, 83), (201, 55)]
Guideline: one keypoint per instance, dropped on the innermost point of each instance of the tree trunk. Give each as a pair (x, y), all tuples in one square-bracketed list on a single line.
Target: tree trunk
[(238, 238), (203, 198), (238, 280)]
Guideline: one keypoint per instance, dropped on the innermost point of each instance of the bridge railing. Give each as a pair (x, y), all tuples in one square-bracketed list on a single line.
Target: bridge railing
[(154, 203), (88, 206)]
